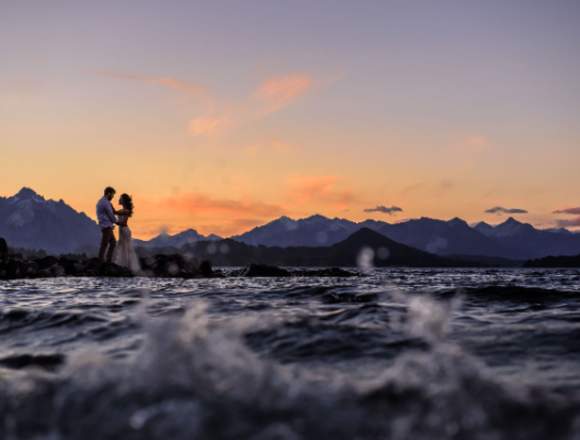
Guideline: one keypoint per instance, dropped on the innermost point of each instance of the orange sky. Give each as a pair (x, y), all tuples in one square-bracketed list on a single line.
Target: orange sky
[(227, 122)]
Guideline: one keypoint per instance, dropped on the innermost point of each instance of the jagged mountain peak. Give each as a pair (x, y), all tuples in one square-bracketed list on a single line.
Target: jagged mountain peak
[(27, 193), (456, 221), (29, 221), (316, 218), (511, 221)]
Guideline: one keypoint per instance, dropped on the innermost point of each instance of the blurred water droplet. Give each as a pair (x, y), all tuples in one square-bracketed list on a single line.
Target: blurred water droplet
[(224, 248), (173, 268), (365, 259), (383, 253), (212, 248)]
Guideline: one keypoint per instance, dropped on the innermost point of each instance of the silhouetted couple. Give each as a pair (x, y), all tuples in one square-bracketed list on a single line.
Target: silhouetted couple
[(123, 253)]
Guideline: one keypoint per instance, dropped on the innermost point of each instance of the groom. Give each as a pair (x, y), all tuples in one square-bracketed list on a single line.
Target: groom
[(107, 221)]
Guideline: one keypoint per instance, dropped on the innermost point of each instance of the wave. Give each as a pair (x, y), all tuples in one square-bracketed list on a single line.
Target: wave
[(195, 378), (514, 292)]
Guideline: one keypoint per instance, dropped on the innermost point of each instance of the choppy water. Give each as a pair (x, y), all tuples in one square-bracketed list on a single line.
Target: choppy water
[(398, 354)]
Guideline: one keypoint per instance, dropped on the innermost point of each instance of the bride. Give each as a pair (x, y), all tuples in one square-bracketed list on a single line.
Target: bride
[(125, 254)]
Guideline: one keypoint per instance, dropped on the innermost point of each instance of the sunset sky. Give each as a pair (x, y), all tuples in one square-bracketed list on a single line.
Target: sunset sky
[(223, 115)]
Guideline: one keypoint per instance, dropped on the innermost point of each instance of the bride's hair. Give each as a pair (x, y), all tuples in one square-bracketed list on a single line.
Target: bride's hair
[(127, 202)]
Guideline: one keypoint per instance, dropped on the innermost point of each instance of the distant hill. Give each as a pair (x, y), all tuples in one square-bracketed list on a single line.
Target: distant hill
[(176, 241), (509, 240), (453, 237), (29, 221), (312, 231), (523, 241), (569, 261), (364, 244)]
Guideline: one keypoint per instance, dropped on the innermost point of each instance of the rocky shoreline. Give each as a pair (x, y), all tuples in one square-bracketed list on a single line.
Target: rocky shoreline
[(20, 266)]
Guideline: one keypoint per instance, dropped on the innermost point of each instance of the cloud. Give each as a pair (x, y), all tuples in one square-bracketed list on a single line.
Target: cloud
[(186, 87), (501, 210), (232, 226), (570, 211), (278, 92), (391, 210), (206, 213), (206, 125), (569, 223), (199, 204), (270, 96), (323, 190)]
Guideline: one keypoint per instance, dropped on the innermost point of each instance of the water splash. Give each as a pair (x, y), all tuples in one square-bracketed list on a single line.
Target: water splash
[(195, 377)]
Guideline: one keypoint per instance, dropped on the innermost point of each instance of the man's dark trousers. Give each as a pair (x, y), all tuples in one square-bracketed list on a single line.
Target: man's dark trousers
[(108, 244)]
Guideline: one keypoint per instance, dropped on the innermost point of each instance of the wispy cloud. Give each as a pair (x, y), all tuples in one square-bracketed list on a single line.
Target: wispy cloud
[(322, 190), (230, 227), (218, 114), (280, 91), (569, 211), (186, 87), (569, 223), (199, 204), (205, 126), (501, 210), (389, 210)]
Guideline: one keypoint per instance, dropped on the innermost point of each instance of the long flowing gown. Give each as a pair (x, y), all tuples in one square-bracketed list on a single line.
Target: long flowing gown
[(125, 254)]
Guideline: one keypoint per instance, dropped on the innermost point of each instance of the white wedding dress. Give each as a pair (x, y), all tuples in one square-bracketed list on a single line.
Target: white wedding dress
[(125, 254)]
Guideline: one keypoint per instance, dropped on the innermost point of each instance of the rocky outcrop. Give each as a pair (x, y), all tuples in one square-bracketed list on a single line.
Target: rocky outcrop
[(558, 262), (16, 266), (176, 266)]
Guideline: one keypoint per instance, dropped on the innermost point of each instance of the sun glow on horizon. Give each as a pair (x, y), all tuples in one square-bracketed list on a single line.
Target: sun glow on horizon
[(212, 123)]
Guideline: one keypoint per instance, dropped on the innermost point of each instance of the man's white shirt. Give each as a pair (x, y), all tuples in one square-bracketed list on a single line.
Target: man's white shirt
[(105, 214)]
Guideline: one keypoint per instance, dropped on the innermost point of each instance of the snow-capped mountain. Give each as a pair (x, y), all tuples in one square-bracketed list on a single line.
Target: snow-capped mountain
[(29, 221)]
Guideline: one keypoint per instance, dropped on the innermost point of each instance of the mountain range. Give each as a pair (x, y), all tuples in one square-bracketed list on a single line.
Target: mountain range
[(510, 239), (29, 221), (364, 248), (176, 241)]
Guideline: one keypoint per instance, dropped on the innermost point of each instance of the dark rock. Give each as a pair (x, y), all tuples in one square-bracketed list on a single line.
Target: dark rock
[(3, 248), (205, 269), (170, 266), (18, 267), (74, 265), (49, 267), (262, 270), (112, 270), (558, 262)]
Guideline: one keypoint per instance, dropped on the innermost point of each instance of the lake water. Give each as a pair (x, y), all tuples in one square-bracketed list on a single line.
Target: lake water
[(395, 354)]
